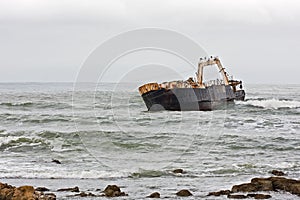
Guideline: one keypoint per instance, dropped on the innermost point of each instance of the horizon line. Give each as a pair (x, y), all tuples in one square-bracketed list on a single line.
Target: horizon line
[(89, 82)]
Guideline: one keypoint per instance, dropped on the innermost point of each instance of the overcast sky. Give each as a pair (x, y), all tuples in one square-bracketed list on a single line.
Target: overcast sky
[(48, 40)]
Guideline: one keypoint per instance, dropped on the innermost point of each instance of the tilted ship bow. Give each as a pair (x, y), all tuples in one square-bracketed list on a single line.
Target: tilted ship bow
[(193, 95)]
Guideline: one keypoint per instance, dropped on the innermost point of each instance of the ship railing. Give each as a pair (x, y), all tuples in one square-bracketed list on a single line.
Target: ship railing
[(214, 82), (176, 84)]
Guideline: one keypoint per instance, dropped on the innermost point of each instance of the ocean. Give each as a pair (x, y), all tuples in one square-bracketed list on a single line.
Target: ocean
[(104, 135)]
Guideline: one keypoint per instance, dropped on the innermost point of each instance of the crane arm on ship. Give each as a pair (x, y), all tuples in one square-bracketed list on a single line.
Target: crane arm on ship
[(211, 61)]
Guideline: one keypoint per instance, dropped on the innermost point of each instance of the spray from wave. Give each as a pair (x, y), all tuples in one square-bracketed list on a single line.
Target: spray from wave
[(271, 103)]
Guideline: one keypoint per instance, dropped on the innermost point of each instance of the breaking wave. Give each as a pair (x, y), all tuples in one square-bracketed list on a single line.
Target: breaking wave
[(61, 173), (40, 105), (17, 104), (270, 103)]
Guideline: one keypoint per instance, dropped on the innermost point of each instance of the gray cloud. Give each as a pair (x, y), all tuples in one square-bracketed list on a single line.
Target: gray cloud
[(49, 40)]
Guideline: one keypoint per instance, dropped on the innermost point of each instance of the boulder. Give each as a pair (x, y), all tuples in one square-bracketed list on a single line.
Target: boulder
[(295, 189), (74, 189), (288, 185), (279, 183), (8, 192), (257, 184), (262, 184), (56, 161), (245, 187), (184, 193), (24, 193), (48, 196), (277, 173), (42, 189), (219, 193), (83, 194), (5, 185), (285, 184), (178, 171), (260, 196), (269, 184), (154, 195), (236, 196), (113, 191)]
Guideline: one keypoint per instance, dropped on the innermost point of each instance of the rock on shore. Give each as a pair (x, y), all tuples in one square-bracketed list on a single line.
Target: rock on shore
[(269, 184), (8, 192), (261, 184), (184, 193), (113, 191), (74, 189), (277, 173), (178, 171), (154, 195)]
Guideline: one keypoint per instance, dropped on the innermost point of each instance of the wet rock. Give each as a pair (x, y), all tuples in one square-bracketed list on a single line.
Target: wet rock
[(113, 191), (260, 196), (154, 195), (257, 184), (5, 185), (74, 189), (219, 193), (8, 192), (288, 185), (42, 189), (24, 193), (277, 173), (269, 184), (262, 184), (295, 189), (236, 196), (56, 161), (178, 171), (184, 193), (279, 183), (48, 196), (245, 187), (83, 194)]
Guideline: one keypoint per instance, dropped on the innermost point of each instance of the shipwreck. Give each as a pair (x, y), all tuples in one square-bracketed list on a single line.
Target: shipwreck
[(194, 94)]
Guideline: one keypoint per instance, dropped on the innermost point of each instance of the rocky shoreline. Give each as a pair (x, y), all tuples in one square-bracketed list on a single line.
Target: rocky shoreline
[(8, 192), (257, 188), (274, 184)]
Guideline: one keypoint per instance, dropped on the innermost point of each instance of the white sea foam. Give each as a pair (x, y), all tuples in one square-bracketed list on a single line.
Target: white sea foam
[(62, 172), (283, 165), (271, 103), (25, 103)]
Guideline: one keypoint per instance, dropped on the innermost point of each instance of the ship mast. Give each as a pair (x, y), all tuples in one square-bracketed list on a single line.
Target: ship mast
[(210, 61)]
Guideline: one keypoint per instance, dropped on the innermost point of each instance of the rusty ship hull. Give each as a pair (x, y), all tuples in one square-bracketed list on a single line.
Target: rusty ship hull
[(194, 94), (192, 99)]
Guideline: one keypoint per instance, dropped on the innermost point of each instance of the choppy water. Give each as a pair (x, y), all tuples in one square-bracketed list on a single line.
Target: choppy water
[(105, 135)]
